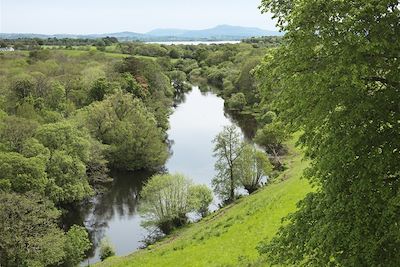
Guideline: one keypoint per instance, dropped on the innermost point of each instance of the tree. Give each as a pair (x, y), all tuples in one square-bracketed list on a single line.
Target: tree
[(254, 165), (271, 138), (21, 174), (14, 131), (246, 83), (129, 129), (336, 78), (227, 150), (56, 97), (29, 235), (237, 102), (70, 150), (22, 86), (76, 244), (100, 89), (165, 201), (106, 249), (200, 197)]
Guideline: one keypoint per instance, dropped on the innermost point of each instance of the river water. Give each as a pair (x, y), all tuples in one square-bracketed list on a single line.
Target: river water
[(193, 125)]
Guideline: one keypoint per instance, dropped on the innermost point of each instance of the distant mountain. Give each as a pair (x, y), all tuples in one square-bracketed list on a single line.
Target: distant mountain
[(166, 32), (221, 32), (229, 31), (218, 32)]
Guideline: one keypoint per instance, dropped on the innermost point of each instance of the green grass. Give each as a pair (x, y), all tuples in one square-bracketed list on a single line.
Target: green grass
[(229, 236)]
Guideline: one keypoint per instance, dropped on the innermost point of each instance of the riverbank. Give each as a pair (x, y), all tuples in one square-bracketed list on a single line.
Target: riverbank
[(229, 237)]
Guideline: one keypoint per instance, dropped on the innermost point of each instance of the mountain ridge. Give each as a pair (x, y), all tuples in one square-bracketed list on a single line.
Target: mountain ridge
[(219, 32)]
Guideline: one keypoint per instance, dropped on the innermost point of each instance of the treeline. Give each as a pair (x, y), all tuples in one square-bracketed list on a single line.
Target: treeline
[(64, 121), (35, 43)]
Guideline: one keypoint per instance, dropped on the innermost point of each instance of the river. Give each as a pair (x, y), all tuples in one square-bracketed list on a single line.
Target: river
[(193, 125)]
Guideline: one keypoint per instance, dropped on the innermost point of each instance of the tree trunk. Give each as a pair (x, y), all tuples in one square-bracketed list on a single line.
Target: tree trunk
[(232, 193)]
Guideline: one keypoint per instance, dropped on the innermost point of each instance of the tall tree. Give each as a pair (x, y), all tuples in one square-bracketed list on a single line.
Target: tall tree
[(227, 150), (337, 78)]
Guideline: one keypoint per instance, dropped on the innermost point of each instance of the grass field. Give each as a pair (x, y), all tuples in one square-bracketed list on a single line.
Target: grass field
[(228, 237)]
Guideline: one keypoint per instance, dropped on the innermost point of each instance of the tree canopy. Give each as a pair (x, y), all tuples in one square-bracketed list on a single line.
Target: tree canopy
[(336, 78)]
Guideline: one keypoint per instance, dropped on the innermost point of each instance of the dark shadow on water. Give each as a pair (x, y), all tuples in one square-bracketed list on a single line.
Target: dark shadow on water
[(120, 200)]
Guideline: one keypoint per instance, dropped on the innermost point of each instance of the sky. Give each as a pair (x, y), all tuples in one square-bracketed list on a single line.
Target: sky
[(102, 16)]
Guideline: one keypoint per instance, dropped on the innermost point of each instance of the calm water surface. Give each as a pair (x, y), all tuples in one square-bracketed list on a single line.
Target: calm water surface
[(193, 126), (194, 42)]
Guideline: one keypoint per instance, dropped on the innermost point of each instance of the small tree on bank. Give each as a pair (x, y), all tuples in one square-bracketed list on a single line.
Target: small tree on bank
[(254, 165), (106, 249), (200, 197), (166, 201)]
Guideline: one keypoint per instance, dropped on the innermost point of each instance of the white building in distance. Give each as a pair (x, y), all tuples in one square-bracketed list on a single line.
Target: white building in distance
[(6, 49)]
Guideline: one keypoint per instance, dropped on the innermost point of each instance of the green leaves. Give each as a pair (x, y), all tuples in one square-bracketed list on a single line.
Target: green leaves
[(129, 129), (168, 198), (336, 79)]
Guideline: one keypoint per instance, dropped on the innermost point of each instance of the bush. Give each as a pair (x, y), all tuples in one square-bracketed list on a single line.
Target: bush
[(237, 102), (168, 198), (106, 249), (165, 201), (200, 199), (76, 245)]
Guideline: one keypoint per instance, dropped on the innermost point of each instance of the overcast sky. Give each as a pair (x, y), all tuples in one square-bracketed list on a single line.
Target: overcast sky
[(101, 16)]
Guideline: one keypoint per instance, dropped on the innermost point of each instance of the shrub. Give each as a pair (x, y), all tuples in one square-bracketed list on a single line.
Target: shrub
[(106, 249)]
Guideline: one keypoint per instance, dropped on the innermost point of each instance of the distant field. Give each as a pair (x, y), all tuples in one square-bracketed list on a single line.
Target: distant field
[(228, 237)]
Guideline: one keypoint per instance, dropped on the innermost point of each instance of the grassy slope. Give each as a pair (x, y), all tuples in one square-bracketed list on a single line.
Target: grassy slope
[(231, 234)]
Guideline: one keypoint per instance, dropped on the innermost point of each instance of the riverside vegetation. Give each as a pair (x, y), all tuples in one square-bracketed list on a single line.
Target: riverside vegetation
[(70, 113)]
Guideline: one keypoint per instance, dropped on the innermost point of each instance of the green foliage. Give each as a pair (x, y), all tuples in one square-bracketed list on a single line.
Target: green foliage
[(132, 86), (29, 235), (155, 84), (237, 102), (178, 80), (56, 98), (129, 129), (254, 165), (271, 137), (230, 235), (76, 243), (246, 83), (337, 79), (22, 86), (14, 131), (100, 89), (106, 249), (36, 55), (66, 169), (227, 150), (166, 201), (174, 53), (200, 198), (21, 174)]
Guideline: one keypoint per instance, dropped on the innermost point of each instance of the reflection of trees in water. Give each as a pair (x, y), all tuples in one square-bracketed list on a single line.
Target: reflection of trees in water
[(121, 199), (180, 95), (246, 122)]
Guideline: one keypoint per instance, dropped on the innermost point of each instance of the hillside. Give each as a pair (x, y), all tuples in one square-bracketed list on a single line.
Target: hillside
[(228, 237)]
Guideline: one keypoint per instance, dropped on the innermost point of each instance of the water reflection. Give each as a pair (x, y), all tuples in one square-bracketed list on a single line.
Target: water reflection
[(113, 214)]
